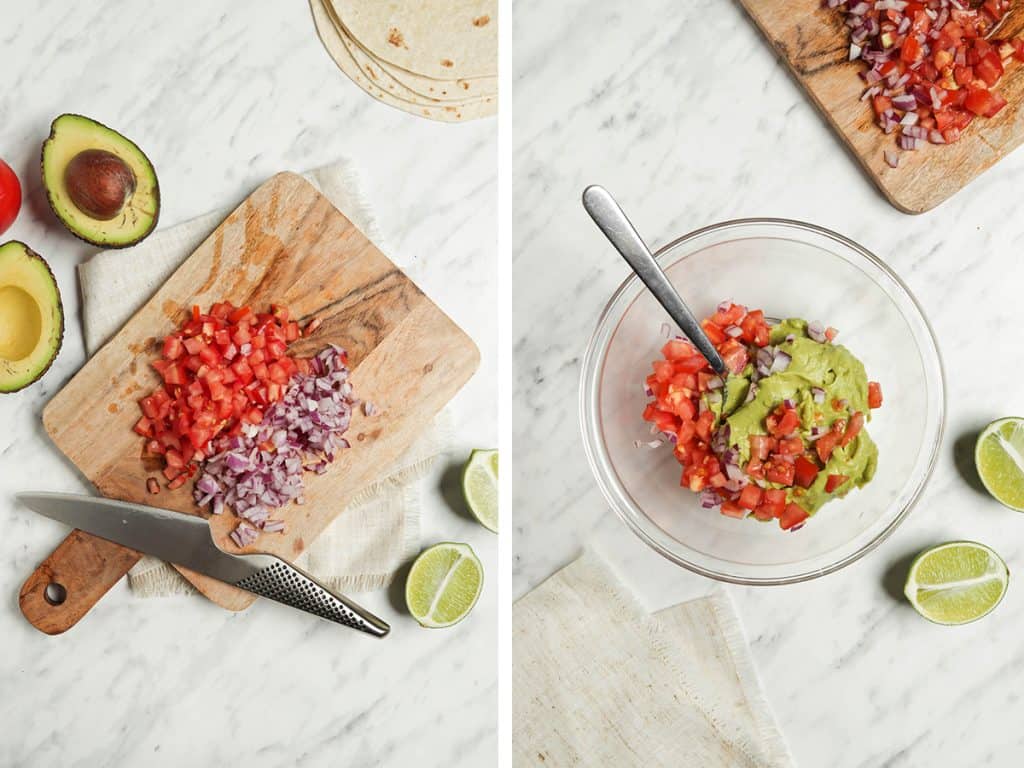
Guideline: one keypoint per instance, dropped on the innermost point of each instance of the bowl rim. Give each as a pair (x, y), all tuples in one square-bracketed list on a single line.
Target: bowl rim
[(593, 446)]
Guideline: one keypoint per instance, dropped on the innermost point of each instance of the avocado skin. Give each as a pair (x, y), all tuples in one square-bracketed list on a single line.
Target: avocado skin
[(60, 312), (49, 194)]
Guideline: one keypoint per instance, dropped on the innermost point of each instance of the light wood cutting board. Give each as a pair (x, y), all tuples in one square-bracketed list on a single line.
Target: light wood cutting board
[(285, 244), (815, 45)]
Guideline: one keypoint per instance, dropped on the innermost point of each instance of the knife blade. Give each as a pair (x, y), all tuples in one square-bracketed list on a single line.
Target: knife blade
[(186, 540)]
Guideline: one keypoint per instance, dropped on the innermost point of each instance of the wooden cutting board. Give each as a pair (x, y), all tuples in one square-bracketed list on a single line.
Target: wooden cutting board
[(285, 244), (815, 45)]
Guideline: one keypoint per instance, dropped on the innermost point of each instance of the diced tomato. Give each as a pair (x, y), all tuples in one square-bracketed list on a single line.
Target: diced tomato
[(732, 509), (750, 497), (792, 516), (783, 422), (734, 355), (761, 446), (144, 426), (983, 102), (703, 425), (714, 333), (989, 68), (792, 446), (911, 51), (172, 348), (773, 502), (825, 445), (856, 423), (805, 472), (678, 349), (834, 481), (779, 471), (881, 104), (730, 316), (874, 395)]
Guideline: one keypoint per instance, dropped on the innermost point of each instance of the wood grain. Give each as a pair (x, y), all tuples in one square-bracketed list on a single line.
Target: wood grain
[(815, 45), (285, 244)]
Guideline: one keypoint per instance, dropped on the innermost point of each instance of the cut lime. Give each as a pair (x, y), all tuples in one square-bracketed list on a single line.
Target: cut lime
[(957, 582), (999, 457), (444, 584), (480, 487)]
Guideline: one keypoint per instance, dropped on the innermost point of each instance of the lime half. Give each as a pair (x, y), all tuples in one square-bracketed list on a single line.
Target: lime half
[(999, 457), (480, 487), (957, 582), (444, 584)]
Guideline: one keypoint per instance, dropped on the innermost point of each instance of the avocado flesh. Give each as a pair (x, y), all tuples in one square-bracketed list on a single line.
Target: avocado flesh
[(31, 316), (72, 134)]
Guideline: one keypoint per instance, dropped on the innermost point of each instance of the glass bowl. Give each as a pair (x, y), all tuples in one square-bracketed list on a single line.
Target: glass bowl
[(788, 269)]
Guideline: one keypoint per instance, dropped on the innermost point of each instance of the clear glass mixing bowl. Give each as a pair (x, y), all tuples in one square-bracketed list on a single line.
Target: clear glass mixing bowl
[(788, 269)]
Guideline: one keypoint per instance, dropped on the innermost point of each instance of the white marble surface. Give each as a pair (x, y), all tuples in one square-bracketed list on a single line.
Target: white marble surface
[(682, 111), (222, 98)]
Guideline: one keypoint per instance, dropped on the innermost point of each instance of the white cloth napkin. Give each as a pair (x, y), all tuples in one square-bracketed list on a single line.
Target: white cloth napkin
[(598, 681), (379, 531)]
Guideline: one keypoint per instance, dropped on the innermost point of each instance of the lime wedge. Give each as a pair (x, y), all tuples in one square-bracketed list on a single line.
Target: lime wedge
[(999, 457), (480, 487), (444, 584), (957, 582)]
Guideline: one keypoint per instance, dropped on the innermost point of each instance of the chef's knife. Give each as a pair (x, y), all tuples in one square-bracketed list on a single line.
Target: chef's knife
[(185, 540)]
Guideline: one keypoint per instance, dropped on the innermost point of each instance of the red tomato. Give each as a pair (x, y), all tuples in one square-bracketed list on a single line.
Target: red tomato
[(984, 102), (825, 445), (793, 515), (10, 197), (834, 481), (750, 497), (732, 509), (210, 389), (874, 395), (856, 423), (805, 472), (779, 471)]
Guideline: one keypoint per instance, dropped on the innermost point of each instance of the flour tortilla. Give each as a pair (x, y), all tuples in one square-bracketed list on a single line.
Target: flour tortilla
[(442, 39), (452, 113), (382, 78), (426, 87)]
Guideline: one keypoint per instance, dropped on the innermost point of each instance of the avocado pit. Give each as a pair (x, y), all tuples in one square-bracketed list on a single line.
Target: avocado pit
[(99, 183)]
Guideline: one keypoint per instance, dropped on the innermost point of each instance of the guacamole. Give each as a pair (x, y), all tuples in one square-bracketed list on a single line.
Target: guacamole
[(826, 384)]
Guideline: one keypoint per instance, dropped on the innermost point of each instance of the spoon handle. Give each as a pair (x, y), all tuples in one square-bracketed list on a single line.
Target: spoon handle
[(611, 220)]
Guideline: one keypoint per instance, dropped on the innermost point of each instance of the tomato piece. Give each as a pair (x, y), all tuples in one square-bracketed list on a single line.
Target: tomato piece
[(792, 446), (825, 445), (989, 68), (732, 509), (911, 51), (714, 333), (750, 497), (983, 102), (734, 355), (730, 316), (805, 472), (783, 422), (855, 426), (779, 471), (144, 426), (874, 395), (792, 516), (761, 446), (678, 349), (703, 425), (834, 481)]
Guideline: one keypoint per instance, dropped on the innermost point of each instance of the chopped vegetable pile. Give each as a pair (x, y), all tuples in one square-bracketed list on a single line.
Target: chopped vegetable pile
[(261, 469), (931, 67), (234, 402), (220, 372), (775, 447)]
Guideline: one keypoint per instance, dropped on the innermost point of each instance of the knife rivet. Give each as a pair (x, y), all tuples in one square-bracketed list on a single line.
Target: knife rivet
[(55, 594)]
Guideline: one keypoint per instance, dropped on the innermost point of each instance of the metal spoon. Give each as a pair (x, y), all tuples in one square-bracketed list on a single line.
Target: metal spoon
[(610, 219)]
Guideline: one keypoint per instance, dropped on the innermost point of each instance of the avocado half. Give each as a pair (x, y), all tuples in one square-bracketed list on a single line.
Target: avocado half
[(99, 183), (31, 316)]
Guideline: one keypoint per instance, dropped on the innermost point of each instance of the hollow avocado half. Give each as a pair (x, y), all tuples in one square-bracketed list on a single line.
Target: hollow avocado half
[(31, 316), (100, 184)]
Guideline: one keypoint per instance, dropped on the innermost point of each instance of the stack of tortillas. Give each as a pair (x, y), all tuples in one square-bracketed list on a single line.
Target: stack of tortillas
[(433, 58)]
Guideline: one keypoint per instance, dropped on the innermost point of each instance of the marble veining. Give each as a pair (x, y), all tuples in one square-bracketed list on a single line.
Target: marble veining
[(221, 97), (683, 112)]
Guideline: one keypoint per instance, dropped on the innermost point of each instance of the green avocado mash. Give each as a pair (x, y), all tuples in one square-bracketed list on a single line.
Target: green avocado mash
[(830, 367)]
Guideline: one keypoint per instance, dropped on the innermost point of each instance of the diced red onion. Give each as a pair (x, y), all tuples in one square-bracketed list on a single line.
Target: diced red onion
[(709, 499), (781, 361), (891, 158), (665, 330), (818, 394), (252, 480), (734, 331), (816, 330), (715, 382)]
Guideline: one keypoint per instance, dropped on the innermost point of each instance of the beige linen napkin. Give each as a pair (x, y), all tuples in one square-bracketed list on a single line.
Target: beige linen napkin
[(379, 530), (598, 681)]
